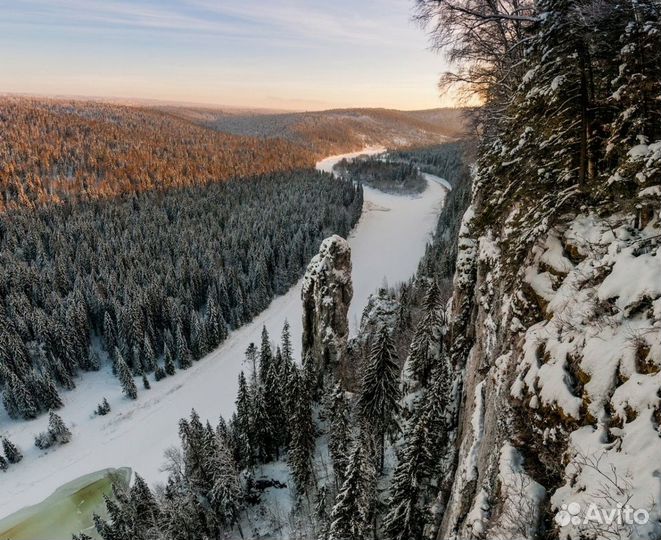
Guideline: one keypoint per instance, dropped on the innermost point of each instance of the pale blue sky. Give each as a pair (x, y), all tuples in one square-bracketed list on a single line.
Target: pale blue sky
[(295, 54)]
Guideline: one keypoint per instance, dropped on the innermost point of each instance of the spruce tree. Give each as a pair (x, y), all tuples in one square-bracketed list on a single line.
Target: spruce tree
[(244, 424), (302, 444), (159, 373), (57, 429), (144, 508), (251, 359), (12, 452), (125, 376), (148, 356), (169, 366), (419, 468), (18, 393), (184, 356), (427, 340), (263, 429), (405, 517), (265, 358), (379, 393), (339, 434), (352, 513), (4, 465)]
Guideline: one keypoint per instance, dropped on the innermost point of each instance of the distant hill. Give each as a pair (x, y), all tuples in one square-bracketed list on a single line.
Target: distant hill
[(336, 130), (55, 150)]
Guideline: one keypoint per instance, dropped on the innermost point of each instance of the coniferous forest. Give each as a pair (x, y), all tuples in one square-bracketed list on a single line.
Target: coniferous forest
[(152, 281)]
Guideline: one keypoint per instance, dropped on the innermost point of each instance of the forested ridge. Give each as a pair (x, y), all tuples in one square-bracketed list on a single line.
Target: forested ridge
[(158, 278), (57, 150), (337, 130)]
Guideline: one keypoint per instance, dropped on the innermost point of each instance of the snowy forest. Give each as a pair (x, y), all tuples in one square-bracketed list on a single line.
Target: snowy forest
[(135, 280)]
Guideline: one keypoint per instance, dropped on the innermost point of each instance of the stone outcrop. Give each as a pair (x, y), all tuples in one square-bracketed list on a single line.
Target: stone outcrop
[(326, 294)]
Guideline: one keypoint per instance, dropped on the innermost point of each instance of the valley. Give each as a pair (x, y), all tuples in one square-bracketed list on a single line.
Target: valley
[(387, 244)]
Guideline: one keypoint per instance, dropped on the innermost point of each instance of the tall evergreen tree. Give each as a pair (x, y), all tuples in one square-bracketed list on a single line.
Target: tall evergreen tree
[(339, 433), (265, 358), (351, 517), (303, 435), (426, 344), (125, 376), (169, 366), (379, 393)]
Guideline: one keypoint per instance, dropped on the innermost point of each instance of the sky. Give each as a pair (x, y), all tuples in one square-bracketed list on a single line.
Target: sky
[(277, 54)]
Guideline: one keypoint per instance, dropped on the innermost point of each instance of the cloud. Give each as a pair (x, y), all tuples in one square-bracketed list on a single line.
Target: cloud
[(278, 21)]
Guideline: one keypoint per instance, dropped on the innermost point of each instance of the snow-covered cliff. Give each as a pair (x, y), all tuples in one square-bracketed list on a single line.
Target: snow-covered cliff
[(559, 360)]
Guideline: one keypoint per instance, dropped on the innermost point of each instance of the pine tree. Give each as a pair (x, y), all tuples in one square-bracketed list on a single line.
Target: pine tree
[(3, 464), (125, 376), (339, 436), (49, 396), (170, 368), (57, 429), (427, 339), (251, 360), (352, 512), (12, 452), (148, 356), (184, 356), (379, 393), (244, 424), (302, 444), (20, 399), (265, 358)]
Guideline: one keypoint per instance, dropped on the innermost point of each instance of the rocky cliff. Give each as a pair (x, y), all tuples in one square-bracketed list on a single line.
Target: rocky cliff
[(559, 364), (326, 294)]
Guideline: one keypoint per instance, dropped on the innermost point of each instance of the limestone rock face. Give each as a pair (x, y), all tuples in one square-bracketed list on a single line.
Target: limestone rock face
[(326, 294)]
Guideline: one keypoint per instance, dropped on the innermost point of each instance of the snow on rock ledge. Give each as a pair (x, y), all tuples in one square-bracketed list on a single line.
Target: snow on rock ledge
[(326, 295)]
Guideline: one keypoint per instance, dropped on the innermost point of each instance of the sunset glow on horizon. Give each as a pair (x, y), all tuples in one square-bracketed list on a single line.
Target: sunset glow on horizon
[(285, 54)]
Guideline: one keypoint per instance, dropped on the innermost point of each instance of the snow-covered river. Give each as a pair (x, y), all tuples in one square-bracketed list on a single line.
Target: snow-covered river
[(386, 245)]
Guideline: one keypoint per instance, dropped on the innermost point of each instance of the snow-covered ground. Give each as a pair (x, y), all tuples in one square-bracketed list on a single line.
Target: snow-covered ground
[(386, 245)]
